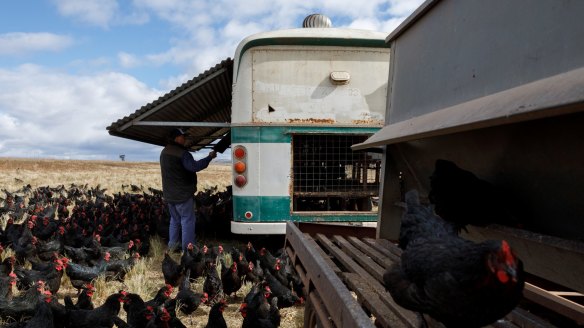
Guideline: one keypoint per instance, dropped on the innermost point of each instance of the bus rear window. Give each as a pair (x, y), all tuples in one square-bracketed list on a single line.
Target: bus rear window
[(329, 176)]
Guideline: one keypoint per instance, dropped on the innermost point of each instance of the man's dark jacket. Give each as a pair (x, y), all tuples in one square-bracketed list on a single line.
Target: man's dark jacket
[(178, 184)]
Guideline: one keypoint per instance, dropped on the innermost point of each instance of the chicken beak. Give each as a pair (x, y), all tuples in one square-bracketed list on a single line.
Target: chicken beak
[(512, 272)]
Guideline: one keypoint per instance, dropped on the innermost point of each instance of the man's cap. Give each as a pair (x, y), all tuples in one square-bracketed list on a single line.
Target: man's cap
[(176, 132)]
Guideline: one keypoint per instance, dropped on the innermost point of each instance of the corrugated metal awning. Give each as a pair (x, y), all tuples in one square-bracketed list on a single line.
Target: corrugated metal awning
[(556, 95), (202, 106)]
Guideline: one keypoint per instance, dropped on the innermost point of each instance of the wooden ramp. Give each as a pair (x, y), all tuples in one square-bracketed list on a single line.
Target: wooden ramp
[(342, 276)]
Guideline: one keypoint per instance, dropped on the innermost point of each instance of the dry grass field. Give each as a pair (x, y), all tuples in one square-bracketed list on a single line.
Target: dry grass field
[(16, 172), (146, 277)]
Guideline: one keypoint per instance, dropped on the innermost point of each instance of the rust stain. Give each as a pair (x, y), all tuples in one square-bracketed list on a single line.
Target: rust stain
[(311, 120), (367, 122)]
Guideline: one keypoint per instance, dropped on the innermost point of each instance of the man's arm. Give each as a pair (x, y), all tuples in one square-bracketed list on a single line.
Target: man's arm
[(191, 165)]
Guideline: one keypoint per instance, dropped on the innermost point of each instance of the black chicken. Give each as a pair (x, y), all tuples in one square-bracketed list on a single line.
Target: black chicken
[(455, 281), (462, 198), (161, 296), (23, 305), (118, 252), (46, 249), (25, 246), (257, 312), (279, 274), (192, 259), (80, 275), (419, 221), (212, 284), (242, 265), (250, 253), (138, 313), (267, 259), (230, 279), (84, 300), (187, 299), (212, 253), (43, 316), (52, 276), (171, 270), (120, 267), (164, 319), (216, 319), (7, 265), (285, 296), (253, 274), (102, 316), (82, 255), (60, 312), (7, 284), (46, 229)]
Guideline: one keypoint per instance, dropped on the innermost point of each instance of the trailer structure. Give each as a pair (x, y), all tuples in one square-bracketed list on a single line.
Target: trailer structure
[(497, 88)]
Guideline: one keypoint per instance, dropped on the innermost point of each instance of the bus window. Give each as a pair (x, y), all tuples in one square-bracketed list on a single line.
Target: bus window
[(329, 176)]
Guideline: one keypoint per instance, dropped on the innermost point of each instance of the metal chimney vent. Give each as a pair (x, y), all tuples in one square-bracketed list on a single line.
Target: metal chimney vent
[(317, 20)]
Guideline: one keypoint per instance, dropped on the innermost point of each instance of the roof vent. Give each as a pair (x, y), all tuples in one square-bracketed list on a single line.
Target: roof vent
[(317, 20)]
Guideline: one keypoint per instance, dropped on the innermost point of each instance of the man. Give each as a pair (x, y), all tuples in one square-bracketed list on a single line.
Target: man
[(179, 183)]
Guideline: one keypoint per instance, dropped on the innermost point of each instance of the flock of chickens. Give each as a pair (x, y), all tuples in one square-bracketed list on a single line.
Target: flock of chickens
[(457, 282), (275, 284), (86, 234)]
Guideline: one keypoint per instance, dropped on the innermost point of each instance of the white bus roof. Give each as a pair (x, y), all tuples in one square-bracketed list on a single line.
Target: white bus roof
[(312, 37)]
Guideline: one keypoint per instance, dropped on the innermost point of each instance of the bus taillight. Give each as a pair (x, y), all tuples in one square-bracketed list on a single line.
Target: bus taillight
[(240, 167), (239, 152)]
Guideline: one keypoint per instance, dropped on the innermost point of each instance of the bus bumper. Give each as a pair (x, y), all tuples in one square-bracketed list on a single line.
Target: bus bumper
[(258, 228)]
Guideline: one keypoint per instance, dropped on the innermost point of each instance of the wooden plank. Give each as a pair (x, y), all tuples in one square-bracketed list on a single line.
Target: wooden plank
[(525, 319), (565, 294), (378, 257), (373, 268), (386, 247), (352, 266), (372, 242), (340, 256), (338, 302), (371, 300), (324, 255), (320, 309), (503, 324), (558, 304)]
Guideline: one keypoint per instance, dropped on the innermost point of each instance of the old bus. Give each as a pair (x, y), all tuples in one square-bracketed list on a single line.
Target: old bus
[(291, 103), (301, 98)]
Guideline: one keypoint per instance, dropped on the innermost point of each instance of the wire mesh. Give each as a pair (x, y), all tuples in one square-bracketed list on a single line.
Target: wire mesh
[(325, 167)]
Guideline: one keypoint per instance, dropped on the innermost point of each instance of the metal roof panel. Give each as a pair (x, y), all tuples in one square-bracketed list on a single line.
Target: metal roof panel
[(202, 106)]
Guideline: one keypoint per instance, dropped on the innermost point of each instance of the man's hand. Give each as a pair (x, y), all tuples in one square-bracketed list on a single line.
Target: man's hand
[(213, 154)]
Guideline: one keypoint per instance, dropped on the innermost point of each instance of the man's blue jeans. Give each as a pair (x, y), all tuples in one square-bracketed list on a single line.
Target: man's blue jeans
[(182, 223)]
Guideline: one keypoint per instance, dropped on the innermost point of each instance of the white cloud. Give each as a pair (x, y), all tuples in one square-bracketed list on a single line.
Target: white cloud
[(57, 114), (49, 113), (128, 60), (403, 8), (92, 12), (209, 27), (23, 43)]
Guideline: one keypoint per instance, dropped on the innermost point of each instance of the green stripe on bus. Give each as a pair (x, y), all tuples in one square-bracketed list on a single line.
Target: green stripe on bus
[(283, 134), (277, 209), (269, 208)]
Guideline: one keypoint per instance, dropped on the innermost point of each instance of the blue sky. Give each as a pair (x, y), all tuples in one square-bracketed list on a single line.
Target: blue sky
[(69, 68)]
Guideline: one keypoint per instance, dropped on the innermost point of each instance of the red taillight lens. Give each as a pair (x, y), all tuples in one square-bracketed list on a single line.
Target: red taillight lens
[(239, 167), (239, 152), (240, 181)]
